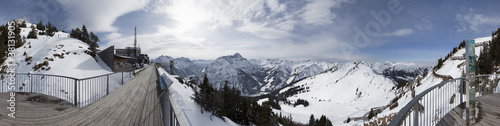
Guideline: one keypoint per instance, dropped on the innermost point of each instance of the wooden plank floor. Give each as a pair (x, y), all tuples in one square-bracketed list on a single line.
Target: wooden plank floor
[(135, 103), (489, 113)]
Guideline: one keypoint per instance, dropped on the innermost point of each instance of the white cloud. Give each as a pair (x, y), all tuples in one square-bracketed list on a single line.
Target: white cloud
[(113, 35), (275, 6), (475, 22), (399, 32), (98, 15), (268, 19), (317, 12), (262, 31), (208, 29)]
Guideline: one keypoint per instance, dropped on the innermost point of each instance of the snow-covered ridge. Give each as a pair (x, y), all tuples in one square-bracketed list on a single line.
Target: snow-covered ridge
[(254, 76), (351, 90), (451, 67), (57, 55)]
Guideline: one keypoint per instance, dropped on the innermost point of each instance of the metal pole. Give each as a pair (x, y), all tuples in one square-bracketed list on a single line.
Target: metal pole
[(415, 121), (107, 84), (122, 78), (76, 89), (31, 83)]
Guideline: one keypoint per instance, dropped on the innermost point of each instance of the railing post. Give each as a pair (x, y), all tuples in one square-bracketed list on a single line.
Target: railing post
[(122, 78), (76, 89), (31, 83), (460, 91), (415, 119), (107, 84)]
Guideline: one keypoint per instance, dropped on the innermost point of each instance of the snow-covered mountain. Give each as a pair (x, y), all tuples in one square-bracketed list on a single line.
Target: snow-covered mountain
[(261, 76), (401, 72), (346, 90), (57, 55), (183, 67), (452, 68), (280, 73), (237, 71)]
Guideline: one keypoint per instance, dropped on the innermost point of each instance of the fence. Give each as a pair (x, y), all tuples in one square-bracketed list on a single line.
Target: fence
[(79, 92), (430, 106), (171, 113)]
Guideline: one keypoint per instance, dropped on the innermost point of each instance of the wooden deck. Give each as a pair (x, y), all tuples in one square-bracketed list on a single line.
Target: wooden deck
[(489, 113), (135, 103)]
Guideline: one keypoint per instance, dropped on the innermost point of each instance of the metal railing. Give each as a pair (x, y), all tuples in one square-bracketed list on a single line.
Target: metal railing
[(171, 111), (432, 104), (77, 91)]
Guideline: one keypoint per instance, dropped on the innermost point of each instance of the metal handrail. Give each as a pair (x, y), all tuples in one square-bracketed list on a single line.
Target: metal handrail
[(405, 110), (413, 104), (37, 83)]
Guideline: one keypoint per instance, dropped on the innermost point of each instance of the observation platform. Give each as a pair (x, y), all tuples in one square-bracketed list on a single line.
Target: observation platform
[(134, 103), (488, 115)]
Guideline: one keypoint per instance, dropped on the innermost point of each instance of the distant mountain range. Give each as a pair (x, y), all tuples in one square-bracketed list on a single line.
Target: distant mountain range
[(263, 76)]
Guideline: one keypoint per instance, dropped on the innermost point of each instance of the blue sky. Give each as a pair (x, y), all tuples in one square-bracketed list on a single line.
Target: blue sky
[(339, 30)]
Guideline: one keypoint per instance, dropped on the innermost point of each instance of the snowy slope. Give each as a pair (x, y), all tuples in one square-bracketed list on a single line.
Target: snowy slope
[(453, 68), (349, 90), (401, 72), (182, 94), (74, 62), (280, 73)]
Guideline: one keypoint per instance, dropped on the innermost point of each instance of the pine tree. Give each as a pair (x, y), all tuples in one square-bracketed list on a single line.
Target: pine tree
[(50, 30), (40, 26), (93, 44), (440, 63), (3, 42), (32, 34), (85, 35), (77, 34), (311, 120), (19, 41), (485, 61), (23, 25), (226, 108)]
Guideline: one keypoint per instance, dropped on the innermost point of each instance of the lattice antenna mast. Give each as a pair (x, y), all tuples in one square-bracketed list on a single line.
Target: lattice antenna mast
[(135, 37)]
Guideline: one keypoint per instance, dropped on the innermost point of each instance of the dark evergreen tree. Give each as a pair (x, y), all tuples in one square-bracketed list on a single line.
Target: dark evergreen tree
[(40, 26), (264, 116), (311, 120), (485, 62), (323, 121), (23, 25), (50, 30), (93, 44), (18, 39), (3, 42), (33, 33), (439, 64), (85, 35)]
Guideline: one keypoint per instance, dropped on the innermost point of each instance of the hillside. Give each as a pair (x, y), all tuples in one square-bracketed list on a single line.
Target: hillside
[(256, 77), (452, 67), (349, 90), (57, 55)]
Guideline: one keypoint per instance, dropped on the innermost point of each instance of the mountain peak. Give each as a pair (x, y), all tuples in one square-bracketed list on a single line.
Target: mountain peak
[(237, 55)]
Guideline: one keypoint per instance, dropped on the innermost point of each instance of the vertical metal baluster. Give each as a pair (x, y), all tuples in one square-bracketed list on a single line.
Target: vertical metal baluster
[(107, 84)]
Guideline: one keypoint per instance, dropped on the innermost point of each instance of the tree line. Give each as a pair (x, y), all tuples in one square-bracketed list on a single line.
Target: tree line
[(90, 39), (228, 102), (490, 55), (4, 37)]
